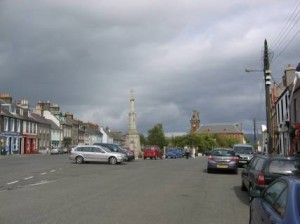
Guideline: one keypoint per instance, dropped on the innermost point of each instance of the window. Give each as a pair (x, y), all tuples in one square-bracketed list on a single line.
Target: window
[(12, 124), (282, 166), (24, 126), (79, 149), (276, 196), (96, 149), (18, 125), (280, 204), (87, 149), (273, 192), (5, 123), (259, 165)]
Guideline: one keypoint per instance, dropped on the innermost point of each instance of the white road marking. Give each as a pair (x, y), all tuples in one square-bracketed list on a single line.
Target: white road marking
[(41, 182), (43, 173), (27, 178), (51, 171), (13, 182)]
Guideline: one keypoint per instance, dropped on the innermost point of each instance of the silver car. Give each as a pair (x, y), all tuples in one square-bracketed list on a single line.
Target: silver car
[(95, 153), (222, 159)]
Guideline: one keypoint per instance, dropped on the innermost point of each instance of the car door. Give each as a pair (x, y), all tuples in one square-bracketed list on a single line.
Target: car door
[(96, 155), (270, 208), (87, 153), (246, 171), (100, 154)]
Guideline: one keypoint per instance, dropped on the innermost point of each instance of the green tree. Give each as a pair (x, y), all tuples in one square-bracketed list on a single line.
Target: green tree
[(156, 136), (143, 140)]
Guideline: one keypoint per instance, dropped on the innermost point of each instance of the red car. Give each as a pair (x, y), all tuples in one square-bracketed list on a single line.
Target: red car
[(152, 152)]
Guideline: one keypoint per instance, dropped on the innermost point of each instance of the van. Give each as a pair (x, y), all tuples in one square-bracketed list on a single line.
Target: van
[(244, 152)]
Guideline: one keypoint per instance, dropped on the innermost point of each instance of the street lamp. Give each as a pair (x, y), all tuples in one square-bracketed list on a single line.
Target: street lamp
[(253, 70)]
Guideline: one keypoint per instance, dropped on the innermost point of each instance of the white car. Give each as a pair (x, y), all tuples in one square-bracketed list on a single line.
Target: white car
[(84, 153), (55, 151)]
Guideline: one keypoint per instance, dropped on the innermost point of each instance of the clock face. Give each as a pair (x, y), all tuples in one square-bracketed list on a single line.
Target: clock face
[(194, 125)]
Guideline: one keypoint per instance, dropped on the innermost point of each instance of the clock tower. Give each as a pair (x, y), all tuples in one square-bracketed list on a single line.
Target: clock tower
[(195, 121)]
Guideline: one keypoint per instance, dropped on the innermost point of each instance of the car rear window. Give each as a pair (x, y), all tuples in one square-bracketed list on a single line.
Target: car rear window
[(150, 147), (282, 166), (222, 152)]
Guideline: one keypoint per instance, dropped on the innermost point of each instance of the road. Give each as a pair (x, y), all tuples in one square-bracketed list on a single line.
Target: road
[(50, 189)]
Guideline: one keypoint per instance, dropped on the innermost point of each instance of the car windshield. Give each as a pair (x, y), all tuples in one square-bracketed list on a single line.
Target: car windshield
[(106, 149), (222, 152), (243, 150)]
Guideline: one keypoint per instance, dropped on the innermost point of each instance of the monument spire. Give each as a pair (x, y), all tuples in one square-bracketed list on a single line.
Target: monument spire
[(132, 115), (132, 138)]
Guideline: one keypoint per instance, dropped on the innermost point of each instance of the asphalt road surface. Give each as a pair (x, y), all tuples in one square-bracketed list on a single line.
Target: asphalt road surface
[(40, 189)]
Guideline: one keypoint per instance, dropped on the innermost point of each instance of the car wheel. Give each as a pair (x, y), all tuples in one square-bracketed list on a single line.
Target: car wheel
[(208, 170), (145, 157), (112, 160), (243, 187), (236, 171), (79, 159)]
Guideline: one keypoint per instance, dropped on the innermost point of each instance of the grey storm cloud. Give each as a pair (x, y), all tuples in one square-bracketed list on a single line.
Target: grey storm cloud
[(177, 56)]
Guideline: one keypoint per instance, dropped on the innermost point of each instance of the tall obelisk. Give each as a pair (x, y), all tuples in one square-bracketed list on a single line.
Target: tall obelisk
[(132, 137)]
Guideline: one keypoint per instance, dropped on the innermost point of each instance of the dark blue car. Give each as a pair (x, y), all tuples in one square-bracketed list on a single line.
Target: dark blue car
[(279, 203)]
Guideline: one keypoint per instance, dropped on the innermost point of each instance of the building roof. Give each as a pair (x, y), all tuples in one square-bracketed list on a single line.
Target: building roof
[(40, 119), (220, 129), (53, 125)]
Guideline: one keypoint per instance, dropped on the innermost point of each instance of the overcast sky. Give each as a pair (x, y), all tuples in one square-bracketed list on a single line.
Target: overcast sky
[(177, 56)]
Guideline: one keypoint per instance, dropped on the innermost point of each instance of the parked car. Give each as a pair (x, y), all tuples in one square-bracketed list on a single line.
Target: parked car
[(116, 148), (278, 203), (222, 159), (90, 153), (43, 150), (264, 169), (55, 151), (245, 153), (69, 148), (152, 152), (173, 153)]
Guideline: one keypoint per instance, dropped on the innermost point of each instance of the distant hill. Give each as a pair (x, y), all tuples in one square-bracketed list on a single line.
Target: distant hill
[(250, 138)]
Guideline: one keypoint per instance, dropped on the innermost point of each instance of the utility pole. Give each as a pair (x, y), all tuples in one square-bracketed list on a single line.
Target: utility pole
[(254, 129), (267, 74)]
